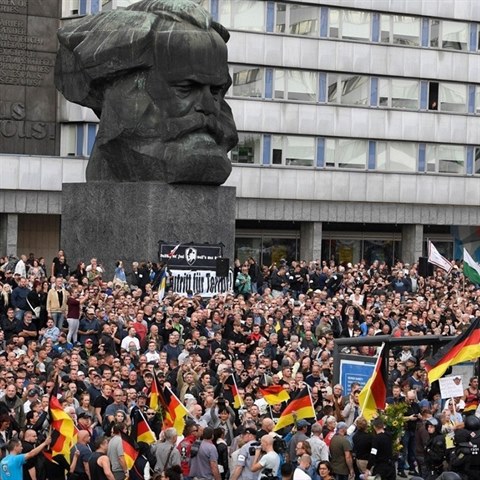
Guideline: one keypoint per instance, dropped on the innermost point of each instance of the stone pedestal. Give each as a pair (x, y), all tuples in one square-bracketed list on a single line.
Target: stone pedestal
[(125, 221)]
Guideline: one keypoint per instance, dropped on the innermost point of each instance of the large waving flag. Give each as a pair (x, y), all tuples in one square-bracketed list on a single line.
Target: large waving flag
[(299, 408), (153, 400), (63, 431), (274, 394), (237, 399), (463, 348), (130, 453), (141, 431), (374, 394), (471, 269), (437, 259), (174, 410), (163, 283)]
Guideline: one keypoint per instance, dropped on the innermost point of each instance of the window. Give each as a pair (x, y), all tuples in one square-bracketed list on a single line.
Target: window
[(297, 19), (346, 153), (247, 81), (293, 150), (398, 93), (476, 170), (81, 7), (452, 97), (349, 24), (77, 139), (296, 85), (348, 89), (400, 30), (248, 149), (446, 159), (449, 35), (244, 15), (397, 156)]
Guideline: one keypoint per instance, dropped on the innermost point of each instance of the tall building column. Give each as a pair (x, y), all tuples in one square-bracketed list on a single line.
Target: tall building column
[(412, 243), (8, 233), (311, 241)]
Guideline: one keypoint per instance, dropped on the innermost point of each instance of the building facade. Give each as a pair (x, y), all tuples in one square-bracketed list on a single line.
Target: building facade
[(359, 126)]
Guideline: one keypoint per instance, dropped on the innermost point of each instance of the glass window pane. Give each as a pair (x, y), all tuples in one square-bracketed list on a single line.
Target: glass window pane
[(350, 153), (280, 19), (247, 81), (452, 97), (332, 86), (383, 92), (405, 93), (302, 85), (355, 90), (398, 157), (434, 33), (277, 149), (304, 20), (381, 160), (355, 25), (248, 149), (330, 152), (455, 35), (68, 139), (406, 30), (248, 247), (385, 21), (333, 23), (446, 159), (300, 151), (279, 84), (244, 15)]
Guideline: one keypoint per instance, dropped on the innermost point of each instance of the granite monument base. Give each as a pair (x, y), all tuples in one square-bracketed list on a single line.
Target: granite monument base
[(125, 221)]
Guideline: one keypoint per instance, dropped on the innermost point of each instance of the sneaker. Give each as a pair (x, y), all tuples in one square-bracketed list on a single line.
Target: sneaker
[(413, 473), (402, 474)]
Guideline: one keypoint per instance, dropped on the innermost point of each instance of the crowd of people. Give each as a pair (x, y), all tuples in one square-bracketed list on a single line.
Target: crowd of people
[(107, 338)]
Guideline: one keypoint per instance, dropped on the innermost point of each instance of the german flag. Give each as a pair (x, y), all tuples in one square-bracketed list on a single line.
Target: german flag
[(462, 349), (153, 401), (237, 399), (130, 454), (274, 394), (374, 394), (63, 431), (141, 431), (174, 410), (299, 408)]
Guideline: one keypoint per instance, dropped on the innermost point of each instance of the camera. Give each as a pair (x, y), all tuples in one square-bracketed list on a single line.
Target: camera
[(253, 448), (267, 474), (279, 445)]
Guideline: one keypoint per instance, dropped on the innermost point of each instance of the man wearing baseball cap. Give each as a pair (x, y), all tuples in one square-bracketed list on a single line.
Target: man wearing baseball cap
[(341, 454), (245, 459)]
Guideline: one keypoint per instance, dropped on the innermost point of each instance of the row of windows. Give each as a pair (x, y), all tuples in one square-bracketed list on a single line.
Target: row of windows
[(327, 22), (351, 89), (350, 153), (77, 139)]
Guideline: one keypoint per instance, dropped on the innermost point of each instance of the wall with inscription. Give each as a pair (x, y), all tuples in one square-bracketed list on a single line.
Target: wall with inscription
[(28, 100)]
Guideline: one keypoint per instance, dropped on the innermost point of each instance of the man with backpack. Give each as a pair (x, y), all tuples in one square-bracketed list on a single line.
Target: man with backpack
[(204, 465), (188, 447)]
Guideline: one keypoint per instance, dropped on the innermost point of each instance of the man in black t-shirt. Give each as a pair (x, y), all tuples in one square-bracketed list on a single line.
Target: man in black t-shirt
[(381, 455)]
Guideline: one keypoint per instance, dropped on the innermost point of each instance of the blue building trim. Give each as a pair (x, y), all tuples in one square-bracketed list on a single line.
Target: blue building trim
[(80, 139), (267, 150), (372, 153), (214, 9), (94, 6), (423, 95), (91, 134), (322, 87), (425, 32), (473, 37), (471, 99), (269, 83), (376, 27), (422, 157), (324, 22), (82, 7), (320, 152), (470, 160), (373, 91), (270, 16)]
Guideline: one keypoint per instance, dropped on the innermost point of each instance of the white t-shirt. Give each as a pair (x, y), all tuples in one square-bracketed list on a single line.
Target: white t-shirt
[(299, 474), (270, 461)]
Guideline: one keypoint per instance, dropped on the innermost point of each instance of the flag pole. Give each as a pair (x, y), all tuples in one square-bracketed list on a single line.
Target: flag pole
[(236, 387), (309, 390)]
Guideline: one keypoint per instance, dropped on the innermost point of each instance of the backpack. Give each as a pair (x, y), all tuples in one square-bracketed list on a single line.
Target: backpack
[(195, 448)]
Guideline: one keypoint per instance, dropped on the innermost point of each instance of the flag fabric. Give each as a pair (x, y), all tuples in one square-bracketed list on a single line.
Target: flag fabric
[(374, 394), (153, 400), (299, 408), (63, 430), (162, 286), (237, 399), (130, 453), (471, 269), (274, 394), (437, 259), (173, 251), (141, 431), (174, 410), (463, 348)]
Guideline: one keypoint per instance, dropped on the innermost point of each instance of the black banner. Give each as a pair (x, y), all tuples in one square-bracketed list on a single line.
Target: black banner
[(190, 256)]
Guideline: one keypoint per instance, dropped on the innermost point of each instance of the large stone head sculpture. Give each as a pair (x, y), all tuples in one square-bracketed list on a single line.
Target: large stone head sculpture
[(156, 74)]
